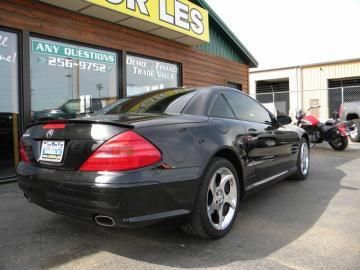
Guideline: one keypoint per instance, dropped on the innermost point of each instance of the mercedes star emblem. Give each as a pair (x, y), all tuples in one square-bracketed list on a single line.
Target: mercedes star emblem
[(49, 133)]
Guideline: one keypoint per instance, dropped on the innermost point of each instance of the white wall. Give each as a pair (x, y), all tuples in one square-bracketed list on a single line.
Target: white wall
[(316, 78), (308, 83), (294, 76)]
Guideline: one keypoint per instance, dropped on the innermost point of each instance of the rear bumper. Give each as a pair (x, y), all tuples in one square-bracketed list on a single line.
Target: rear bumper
[(136, 198)]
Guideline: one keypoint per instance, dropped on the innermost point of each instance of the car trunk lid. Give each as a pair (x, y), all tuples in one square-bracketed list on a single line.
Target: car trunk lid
[(67, 145), (75, 140)]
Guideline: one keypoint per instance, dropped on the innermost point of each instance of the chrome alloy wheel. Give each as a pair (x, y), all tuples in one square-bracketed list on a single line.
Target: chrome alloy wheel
[(304, 156), (222, 198)]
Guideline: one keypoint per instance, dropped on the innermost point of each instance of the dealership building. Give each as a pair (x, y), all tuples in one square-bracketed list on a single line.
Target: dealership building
[(66, 58)]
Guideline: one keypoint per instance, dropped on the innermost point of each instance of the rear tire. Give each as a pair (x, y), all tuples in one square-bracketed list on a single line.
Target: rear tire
[(217, 201), (355, 134), (340, 143), (303, 161)]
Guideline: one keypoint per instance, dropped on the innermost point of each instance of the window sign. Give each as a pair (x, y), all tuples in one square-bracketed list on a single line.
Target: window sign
[(145, 75), (69, 80), (66, 55), (9, 104), (8, 73)]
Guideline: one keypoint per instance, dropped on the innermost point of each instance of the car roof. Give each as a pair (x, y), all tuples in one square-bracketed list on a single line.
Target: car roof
[(198, 105)]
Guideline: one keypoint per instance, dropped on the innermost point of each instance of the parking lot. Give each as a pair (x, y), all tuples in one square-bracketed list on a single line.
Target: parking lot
[(313, 224)]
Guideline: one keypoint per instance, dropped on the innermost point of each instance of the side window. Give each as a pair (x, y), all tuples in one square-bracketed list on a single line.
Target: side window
[(246, 108), (221, 109)]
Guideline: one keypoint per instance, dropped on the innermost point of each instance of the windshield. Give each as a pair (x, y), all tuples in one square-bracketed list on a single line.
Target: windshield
[(164, 101)]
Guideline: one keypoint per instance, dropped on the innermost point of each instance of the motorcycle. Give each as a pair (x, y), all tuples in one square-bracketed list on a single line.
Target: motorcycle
[(349, 126), (334, 132)]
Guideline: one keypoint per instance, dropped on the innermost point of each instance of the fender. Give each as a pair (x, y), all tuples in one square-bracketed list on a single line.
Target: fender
[(342, 128), (231, 155)]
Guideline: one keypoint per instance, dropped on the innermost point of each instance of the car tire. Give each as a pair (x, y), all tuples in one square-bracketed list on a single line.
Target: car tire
[(217, 202), (355, 134), (303, 161)]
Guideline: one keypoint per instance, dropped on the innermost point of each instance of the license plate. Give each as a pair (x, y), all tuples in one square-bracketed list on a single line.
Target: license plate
[(52, 151)]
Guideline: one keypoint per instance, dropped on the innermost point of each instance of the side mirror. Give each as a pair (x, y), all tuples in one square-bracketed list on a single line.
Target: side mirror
[(284, 120)]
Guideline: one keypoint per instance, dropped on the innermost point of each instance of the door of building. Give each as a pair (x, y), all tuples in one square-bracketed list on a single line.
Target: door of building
[(237, 86), (9, 104)]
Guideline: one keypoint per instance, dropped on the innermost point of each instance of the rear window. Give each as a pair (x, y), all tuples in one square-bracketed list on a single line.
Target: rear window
[(164, 101)]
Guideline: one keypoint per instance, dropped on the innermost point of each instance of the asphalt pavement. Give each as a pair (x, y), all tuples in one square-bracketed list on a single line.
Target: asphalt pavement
[(313, 224)]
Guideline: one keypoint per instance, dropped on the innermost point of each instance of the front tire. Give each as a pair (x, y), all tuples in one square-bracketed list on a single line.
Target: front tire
[(355, 134), (303, 161), (340, 143), (217, 202)]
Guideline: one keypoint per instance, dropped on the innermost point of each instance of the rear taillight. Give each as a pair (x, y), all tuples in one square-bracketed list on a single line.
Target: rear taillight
[(23, 155), (126, 151)]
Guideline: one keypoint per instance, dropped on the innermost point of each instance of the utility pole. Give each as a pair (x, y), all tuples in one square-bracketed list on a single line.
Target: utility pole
[(99, 87), (77, 72)]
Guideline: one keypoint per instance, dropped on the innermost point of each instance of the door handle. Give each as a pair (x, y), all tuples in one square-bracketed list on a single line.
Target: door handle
[(252, 132)]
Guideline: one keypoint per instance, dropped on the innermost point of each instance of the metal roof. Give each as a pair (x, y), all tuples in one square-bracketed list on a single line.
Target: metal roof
[(332, 62)]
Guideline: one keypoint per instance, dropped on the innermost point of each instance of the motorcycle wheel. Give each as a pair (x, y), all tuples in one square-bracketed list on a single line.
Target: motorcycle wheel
[(355, 134), (340, 143)]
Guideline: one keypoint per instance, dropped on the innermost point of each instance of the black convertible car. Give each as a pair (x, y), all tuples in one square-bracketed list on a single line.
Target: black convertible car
[(189, 155)]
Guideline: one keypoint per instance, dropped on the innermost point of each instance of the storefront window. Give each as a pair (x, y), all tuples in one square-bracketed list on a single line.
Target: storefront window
[(145, 75), (9, 104), (69, 80)]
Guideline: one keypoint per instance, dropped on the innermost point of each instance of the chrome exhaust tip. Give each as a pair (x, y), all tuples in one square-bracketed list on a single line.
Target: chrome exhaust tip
[(104, 221)]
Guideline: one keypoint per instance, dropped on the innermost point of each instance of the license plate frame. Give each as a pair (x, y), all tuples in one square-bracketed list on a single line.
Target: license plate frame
[(52, 151)]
